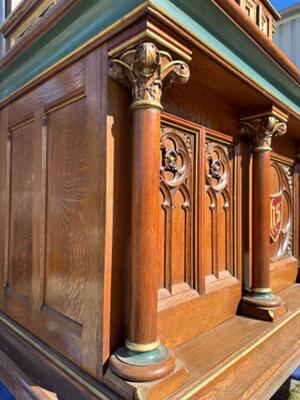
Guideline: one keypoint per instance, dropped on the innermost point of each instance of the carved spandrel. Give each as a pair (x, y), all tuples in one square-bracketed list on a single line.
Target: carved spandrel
[(175, 157)]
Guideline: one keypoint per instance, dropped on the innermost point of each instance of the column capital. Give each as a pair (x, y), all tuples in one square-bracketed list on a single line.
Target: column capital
[(147, 71), (262, 129)]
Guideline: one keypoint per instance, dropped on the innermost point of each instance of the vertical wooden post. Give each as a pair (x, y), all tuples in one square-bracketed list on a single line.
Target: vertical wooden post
[(260, 302), (145, 70), (297, 208)]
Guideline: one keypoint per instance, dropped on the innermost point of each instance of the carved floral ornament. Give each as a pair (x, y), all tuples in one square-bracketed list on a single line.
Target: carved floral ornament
[(147, 71), (261, 130), (175, 157), (217, 169)]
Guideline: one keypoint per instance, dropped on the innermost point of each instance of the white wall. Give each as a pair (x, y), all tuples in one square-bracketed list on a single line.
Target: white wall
[(287, 37)]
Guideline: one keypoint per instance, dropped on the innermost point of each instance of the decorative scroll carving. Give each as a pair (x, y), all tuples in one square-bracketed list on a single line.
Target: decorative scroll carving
[(177, 174), (282, 211), (147, 71), (262, 130), (218, 223)]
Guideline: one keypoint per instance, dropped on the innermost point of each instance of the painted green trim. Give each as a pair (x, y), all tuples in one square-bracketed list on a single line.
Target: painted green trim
[(142, 359), (204, 20), (210, 25), (83, 22)]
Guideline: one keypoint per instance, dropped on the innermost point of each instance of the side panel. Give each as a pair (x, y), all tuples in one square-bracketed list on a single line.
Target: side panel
[(54, 187)]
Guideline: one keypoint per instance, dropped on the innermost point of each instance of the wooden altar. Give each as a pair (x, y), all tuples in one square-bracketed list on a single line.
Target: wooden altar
[(149, 183)]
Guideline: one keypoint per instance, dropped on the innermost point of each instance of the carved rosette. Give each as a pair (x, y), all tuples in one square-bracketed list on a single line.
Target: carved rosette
[(147, 71), (262, 130)]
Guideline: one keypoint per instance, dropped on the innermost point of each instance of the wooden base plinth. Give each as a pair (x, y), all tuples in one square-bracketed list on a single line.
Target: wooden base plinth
[(155, 390), (263, 310), (142, 367)]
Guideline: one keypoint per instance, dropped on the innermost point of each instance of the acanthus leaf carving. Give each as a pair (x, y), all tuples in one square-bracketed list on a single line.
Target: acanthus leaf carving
[(147, 71), (262, 130)]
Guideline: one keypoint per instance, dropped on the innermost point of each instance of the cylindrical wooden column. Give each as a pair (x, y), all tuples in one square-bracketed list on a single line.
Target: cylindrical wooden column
[(261, 222), (144, 69), (144, 233), (261, 129)]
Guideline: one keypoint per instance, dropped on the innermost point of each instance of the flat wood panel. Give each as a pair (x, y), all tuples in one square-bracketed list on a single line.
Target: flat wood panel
[(283, 273), (63, 85), (67, 210), (184, 321), (209, 226), (178, 239), (21, 216)]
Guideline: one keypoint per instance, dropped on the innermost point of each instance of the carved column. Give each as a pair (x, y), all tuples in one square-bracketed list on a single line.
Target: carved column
[(146, 71), (261, 302)]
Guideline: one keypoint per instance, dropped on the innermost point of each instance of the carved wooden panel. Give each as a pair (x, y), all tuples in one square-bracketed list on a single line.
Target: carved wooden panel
[(218, 254), (281, 210), (178, 204)]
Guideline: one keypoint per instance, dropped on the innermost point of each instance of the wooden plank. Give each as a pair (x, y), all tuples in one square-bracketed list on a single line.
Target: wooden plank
[(4, 199), (21, 218), (258, 355), (39, 208), (93, 295)]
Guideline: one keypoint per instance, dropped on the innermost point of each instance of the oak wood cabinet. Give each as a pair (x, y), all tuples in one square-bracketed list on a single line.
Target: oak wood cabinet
[(149, 193)]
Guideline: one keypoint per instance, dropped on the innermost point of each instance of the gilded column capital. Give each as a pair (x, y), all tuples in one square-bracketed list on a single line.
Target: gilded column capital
[(147, 71), (262, 130)]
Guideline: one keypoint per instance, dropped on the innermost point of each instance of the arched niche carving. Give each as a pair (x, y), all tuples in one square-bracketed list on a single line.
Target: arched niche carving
[(218, 215), (177, 225), (281, 211)]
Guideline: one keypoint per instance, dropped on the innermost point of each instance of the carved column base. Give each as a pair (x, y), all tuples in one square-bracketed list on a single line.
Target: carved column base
[(267, 307), (158, 389), (142, 366)]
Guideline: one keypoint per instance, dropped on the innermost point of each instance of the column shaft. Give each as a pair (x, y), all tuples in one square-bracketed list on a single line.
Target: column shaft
[(144, 223), (261, 221)]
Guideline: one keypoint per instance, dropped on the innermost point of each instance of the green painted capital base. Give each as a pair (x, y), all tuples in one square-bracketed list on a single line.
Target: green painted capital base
[(142, 366)]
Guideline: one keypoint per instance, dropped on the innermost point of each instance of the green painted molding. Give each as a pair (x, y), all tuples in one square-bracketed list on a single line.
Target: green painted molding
[(83, 22), (203, 19), (212, 27)]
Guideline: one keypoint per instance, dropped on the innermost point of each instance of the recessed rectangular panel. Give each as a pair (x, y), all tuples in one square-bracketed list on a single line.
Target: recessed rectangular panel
[(67, 210), (21, 214)]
